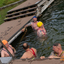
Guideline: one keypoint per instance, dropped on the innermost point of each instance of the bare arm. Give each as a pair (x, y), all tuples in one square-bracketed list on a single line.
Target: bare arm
[(2, 53), (13, 49), (29, 24), (53, 56)]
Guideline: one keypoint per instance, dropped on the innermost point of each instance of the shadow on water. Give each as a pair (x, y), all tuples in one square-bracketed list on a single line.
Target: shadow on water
[(53, 19)]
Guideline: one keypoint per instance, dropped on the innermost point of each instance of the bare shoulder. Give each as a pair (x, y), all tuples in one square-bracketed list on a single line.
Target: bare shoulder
[(32, 23), (33, 48), (10, 45)]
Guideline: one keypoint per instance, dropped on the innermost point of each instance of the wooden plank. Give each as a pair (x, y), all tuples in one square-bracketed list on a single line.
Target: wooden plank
[(24, 11), (26, 3), (8, 29), (21, 16), (45, 4), (47, 61), (21, 9)]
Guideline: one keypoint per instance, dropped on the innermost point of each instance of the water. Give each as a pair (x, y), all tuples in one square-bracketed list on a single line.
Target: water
[(53, 19)]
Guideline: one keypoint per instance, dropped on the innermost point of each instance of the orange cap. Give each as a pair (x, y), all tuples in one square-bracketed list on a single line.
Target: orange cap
[(4, 42)]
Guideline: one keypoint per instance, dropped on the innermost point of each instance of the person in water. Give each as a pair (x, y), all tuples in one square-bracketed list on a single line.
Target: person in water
[(4, 52), (57, 52), (30, 52), (32, 24), (41, 32)]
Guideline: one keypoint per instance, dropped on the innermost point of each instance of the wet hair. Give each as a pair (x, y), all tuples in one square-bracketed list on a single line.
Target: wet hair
[(55, 44), (25, 47)]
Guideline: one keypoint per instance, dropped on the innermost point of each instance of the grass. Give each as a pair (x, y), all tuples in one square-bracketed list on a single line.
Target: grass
[(3, 12), (6, 2)]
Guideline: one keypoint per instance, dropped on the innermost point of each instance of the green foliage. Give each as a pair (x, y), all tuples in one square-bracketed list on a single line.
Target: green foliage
[(6, 2), (3, 12)]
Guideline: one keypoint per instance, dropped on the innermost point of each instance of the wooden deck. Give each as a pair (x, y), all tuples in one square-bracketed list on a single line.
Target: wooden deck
[(39, 61), (8, 60), (19, 16), (10, 28), (26, 3)]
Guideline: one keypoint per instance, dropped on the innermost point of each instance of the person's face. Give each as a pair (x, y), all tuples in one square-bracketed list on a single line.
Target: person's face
[(55, 49), (7, 45), (34, 19)]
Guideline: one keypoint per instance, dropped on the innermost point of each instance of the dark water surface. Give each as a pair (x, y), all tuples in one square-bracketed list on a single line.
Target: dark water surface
[(53, 19)]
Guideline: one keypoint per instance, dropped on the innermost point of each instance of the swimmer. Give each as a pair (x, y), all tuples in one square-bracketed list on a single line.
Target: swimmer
[(56, 53), (30, 52), (11, 49), (41, 30), (32, 24)]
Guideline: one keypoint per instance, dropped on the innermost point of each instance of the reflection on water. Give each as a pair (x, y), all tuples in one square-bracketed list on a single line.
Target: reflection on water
[(53, 20)]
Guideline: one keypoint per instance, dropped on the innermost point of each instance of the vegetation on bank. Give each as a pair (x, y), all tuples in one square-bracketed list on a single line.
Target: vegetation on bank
[(6, 2), (3, 12)]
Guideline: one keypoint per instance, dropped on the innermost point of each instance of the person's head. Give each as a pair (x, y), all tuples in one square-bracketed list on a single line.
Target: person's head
[(5, 42), (34, 18), (57, 47), (40, 24), (25, 46)]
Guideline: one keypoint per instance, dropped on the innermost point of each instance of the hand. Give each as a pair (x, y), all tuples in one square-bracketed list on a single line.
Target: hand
[(50, 57), (23, 30), (14, 51), (42, 57)]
